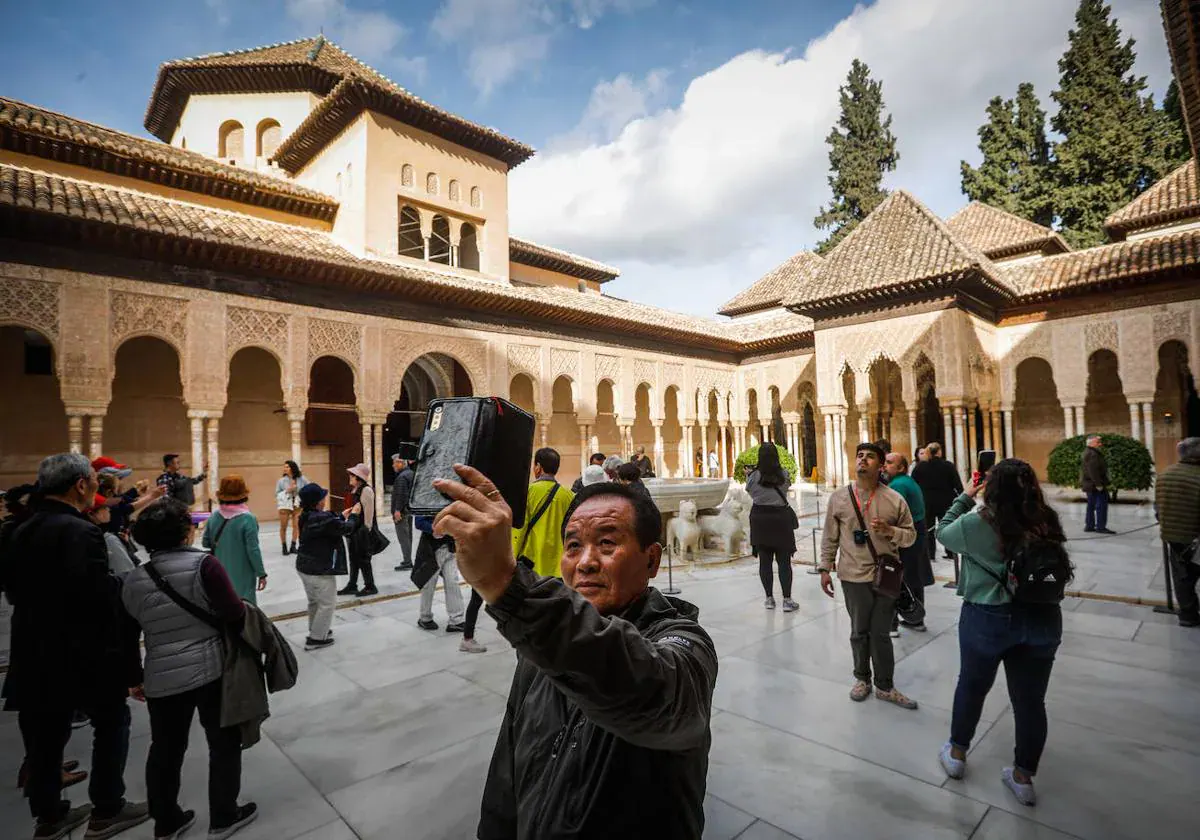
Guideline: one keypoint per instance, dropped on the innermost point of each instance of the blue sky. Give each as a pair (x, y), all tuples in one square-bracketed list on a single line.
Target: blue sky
[(682, 141)]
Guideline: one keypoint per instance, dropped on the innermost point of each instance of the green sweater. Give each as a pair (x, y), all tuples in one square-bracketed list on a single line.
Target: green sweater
[(911, 491), (963, 530)]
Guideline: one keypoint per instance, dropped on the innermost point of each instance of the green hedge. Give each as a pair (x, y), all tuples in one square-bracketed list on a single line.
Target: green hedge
[(1129, 464), (749, 458)]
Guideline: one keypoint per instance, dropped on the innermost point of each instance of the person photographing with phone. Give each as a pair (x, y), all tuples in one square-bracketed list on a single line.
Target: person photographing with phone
[(866, 524), (606, 731)]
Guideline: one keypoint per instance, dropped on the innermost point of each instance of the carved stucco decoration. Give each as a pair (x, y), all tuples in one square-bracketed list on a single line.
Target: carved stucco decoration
[(527, 359), (257, 328), (335, 338), (608, 367), (646, 371), (564, 363), (1170, 326), (672, 375), (1100, 335), (405, 348), (135, 314), (30, 303)]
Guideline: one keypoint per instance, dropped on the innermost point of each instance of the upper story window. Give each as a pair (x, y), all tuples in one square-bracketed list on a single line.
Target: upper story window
[(476, 197), (410, 241), (468, 248), (349, 183), (231, 141), (269, 135), (453, 191), (431, 183), (406, 175), (439, 241)]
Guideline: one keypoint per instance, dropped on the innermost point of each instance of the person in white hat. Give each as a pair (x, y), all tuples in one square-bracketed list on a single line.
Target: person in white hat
[(358, 543)]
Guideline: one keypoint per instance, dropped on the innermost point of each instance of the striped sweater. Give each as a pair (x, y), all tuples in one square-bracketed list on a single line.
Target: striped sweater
[(1177, 497)]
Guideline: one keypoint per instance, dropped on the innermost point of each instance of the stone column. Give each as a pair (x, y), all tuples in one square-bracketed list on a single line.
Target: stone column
[(197, 422), (297, 426), (1148, 426), (660, 467), (722, 436), (75, 432), (843, 458), (1135, 426), (704, 450), (1080, 423), (1068, 421), (948, 434), (960, 443), (830, 472), (688, 462), (968, 419), (214, 460), (913, 443), (993, 429), (585, 437), (366, 446), (543, 431), (863, 433), (95, 436), (377, 433), (1006, 420), (794, 440)]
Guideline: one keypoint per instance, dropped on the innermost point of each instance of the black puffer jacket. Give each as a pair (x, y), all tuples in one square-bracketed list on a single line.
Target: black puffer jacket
[(322, 549), (606, 733)]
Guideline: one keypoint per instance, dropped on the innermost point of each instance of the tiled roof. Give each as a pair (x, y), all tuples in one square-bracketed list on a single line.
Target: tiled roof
[(31, 130), (1104, 265), (542, 256), (998, 233), (203, 234), (778, 283), (900, 248), (320, 66), (1174, 197)]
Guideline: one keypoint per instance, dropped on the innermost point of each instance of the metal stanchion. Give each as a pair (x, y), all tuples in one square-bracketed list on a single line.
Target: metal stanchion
[(1169, 609), (816, 560), (671, 589)]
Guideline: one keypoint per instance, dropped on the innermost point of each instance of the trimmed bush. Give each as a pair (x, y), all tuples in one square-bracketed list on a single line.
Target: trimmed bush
[(1129, 464), (749, 458)]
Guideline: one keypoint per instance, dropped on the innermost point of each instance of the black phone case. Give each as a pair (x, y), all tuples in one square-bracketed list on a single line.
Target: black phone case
[(487, 433)]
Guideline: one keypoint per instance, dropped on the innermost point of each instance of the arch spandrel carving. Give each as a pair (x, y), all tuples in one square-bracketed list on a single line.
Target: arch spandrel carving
[(133, 314), (608, 367), (34, 304), (405, 348), (336, 338), (564, 362), (525, 358), (246, 327)]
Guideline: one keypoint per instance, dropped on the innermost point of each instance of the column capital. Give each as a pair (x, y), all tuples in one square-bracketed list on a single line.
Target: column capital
[(204, 414)]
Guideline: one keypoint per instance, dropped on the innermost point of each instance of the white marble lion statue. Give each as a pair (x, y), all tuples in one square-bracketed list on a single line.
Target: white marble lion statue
[(727, 527), (683, 532)]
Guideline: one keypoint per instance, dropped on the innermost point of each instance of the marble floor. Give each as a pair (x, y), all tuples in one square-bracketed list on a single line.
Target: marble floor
[(388, 733)]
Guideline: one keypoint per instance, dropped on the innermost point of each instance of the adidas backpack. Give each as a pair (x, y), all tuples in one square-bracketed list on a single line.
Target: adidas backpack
[(1037, 573)]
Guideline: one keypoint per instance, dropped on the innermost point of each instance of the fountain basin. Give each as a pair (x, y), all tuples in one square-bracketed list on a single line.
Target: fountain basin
[(667, 493)]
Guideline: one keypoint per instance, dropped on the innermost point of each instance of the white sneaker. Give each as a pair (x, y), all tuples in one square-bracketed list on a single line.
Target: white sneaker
[(895, 634), (769, 602), (955, 768), (1025, 794), (471, 646)]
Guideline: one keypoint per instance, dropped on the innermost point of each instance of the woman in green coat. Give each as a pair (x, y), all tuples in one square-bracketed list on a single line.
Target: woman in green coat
[(232, 535)]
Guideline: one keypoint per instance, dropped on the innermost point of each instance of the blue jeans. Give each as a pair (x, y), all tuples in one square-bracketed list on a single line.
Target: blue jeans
[(1097, 509), (1025, 639)]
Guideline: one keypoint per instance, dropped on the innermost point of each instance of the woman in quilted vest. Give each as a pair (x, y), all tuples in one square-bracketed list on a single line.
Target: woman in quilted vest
[(182, 599)]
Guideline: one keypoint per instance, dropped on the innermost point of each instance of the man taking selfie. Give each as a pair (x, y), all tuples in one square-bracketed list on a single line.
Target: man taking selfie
[(888, 524), (606, 731)]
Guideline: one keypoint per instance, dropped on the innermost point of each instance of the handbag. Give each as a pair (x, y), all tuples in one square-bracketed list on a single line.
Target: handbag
[(889, 570), (791, 510), (376, 541), (425, 565)]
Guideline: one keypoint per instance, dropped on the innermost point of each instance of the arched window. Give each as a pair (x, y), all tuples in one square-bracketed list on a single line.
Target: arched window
[(231, 141), (439, 241), (338, 181), (453, 191), (411, 242), (349, 178), (431, 183), (476, 197), (468, 248), (268, 138), (406, 175)]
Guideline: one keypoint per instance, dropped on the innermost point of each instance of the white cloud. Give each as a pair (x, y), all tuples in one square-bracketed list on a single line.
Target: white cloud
[(220, 10), (696, 201), (371, 35), (612, 106), (502, 36)]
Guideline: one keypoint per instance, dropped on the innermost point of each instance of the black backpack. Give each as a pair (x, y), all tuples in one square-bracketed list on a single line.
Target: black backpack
[(1037, 573)]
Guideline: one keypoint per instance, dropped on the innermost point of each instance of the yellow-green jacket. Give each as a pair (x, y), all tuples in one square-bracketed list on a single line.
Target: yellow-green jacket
[(544, 546)]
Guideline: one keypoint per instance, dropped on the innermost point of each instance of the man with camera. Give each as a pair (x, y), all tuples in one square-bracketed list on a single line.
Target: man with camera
[(866, 510), (606, 731)]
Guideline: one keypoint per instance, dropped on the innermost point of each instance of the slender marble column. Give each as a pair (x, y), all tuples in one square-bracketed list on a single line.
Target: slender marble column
[(960, 444), (1135, 425), (660, 468), (830, 470), (1080, 425), (366, 447), (584, 438), (703, 450), (913, 443), (377, 432), (1148, 426), (214, 459), (843, 458), (1006, 419), (863, 432), (724, 458), (948, 433), (297, 431), (96, 436), (197, 442), (75, 432)]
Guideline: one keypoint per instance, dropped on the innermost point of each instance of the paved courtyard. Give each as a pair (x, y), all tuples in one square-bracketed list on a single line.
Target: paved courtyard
[(389, 732)]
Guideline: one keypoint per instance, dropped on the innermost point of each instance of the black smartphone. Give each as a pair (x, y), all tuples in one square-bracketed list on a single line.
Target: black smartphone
[(987, 460), (488, 433)]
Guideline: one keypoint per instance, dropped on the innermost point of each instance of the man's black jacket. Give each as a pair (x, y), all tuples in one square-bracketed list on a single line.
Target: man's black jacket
[(606, 733), (1093, 471), (70, 636), (940, 484), (401, 489)]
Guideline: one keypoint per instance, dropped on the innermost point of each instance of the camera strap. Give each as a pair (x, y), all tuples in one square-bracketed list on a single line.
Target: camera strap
[(862, 523), (536, 516)]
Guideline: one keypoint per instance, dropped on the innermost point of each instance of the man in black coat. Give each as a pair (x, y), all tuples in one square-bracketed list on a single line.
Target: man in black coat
[(1093, 479), (606, 732), (401, 489), (177, 485), (941, 485), (73, 647)]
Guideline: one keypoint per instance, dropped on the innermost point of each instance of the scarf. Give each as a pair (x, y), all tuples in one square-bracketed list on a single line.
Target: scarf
[(230, 511)]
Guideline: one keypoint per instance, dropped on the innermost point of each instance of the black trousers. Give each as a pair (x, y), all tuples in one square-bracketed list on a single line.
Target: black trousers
[(170, 720), (1185, 575), (768, 557), (360, 560), (45, 730), (472, 615)]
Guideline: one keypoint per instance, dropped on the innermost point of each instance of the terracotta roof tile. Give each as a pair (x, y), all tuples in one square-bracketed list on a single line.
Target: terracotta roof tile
[(542, 256), (1174, 197), (998, 233), (321, 66), (1104, 264), (901, 246), (40, 132), (781, 282), (45, 194)]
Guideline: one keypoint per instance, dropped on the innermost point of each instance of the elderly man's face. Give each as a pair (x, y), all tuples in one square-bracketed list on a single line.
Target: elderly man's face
[(893, 465), (602, 559)]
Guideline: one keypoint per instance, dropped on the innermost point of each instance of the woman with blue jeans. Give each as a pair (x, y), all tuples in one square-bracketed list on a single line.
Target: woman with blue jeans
[(992, 629)]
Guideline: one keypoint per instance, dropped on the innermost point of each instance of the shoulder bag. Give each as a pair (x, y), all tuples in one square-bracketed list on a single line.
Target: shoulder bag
[(521, 558), (889, 570), (792, 511)]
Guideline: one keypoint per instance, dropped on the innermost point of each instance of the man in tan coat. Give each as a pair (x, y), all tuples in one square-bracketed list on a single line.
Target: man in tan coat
[(844, 541)]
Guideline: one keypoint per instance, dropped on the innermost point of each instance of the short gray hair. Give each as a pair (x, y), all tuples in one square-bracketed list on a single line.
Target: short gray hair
[(612, 462), (1189, 450), (58, 473)]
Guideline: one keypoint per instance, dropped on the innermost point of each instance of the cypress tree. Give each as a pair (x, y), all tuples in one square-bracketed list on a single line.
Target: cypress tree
[(1174, 149), (1016, 155), (861, 148), (1110, 130)]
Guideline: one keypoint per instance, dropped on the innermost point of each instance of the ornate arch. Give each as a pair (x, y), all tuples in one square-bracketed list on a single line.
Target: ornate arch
[(340, 339), (472, 355), (31, 304)]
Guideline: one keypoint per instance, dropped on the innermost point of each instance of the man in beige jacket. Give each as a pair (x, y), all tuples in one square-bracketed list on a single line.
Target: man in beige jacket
[(890, 528)]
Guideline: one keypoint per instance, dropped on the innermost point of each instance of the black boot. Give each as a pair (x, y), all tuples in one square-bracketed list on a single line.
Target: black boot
[(349, 589), (284, 548), (293, 546)]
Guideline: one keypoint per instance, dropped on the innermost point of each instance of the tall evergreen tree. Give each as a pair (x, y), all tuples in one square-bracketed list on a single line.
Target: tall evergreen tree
[(1016, 156), (1110, 130), (861, 148), (1174, 137)]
